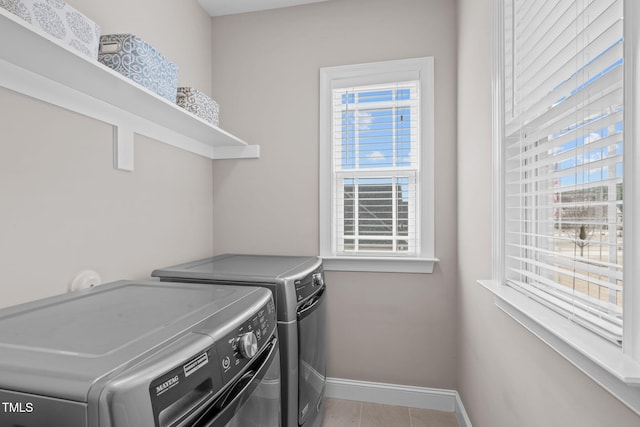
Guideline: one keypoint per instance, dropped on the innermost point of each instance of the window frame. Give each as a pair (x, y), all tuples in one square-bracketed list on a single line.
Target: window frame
[(421, 69), (617, 369)]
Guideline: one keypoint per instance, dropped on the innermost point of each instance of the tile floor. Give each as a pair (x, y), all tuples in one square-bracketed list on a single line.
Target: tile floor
[(351, 413)]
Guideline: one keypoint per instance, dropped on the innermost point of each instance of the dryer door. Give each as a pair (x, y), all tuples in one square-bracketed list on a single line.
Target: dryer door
[(312, 339), (253, 400), (262, 407)]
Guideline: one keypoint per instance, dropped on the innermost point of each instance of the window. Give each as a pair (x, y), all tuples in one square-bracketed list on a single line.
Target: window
[(376, 166), (565, 182), (563, 134), (375, 154)]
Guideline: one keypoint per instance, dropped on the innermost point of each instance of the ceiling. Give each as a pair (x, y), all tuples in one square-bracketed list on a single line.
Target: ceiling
[(230, 7)]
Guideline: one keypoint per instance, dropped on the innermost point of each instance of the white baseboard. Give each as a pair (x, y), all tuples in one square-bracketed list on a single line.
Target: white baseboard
[(461, 413), (399, 395)]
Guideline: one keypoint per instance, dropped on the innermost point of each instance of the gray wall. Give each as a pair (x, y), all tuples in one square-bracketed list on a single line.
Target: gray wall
[(63, 208), (506, 376), (396, 328)]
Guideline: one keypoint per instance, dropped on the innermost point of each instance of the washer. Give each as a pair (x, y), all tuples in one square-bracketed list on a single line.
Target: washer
[(299, 289), (133, 354)]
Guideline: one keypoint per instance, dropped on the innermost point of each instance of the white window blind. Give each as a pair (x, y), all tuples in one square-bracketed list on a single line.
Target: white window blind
[(375, 161), (563, 157)]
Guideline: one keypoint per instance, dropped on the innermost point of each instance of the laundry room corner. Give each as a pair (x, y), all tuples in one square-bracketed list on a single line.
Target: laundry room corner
[(266, 74), (66, 209)]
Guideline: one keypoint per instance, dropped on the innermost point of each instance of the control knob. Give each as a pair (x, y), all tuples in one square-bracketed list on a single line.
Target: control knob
[(248, 345), (317, 279)]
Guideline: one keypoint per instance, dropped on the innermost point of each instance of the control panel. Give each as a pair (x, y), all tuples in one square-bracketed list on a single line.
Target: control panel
[(237, 348), (309, 285)]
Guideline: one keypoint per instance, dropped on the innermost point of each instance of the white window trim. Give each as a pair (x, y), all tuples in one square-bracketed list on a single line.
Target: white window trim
[(616, 370), (373, 73)]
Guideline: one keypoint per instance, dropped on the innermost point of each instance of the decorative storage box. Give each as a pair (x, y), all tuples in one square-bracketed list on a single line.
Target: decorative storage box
[(59, 20), (199, 104), (136, 59)]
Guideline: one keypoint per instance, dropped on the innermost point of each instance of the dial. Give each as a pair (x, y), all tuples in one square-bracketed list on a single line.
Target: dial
[(248, 345), (317, 279)]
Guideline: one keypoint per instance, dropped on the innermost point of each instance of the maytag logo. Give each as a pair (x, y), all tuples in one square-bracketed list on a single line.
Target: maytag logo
[(166, 385)]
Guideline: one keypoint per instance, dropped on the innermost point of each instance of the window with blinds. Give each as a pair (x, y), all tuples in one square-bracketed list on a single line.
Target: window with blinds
[(376, 166), (563, 157), (375, 159)]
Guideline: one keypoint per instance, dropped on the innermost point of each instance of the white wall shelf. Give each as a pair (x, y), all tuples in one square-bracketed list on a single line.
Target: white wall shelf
[(37, 65)]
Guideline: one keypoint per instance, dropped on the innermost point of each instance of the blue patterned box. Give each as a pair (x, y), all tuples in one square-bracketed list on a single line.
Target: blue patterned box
[(198, 103), (60, 21), (138, 60)]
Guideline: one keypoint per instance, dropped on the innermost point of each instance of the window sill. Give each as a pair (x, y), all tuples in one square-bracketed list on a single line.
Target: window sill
[(380, 264), (599, 359)]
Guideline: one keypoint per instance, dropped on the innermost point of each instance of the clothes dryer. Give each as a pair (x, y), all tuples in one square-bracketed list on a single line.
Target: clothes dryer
[(299, 289)]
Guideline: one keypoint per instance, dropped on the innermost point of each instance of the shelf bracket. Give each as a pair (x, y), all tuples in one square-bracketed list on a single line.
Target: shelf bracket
[(123, 147)]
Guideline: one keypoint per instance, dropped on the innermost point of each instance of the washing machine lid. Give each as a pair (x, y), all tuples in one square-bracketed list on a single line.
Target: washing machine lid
[(246, 268), (60, 346)]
